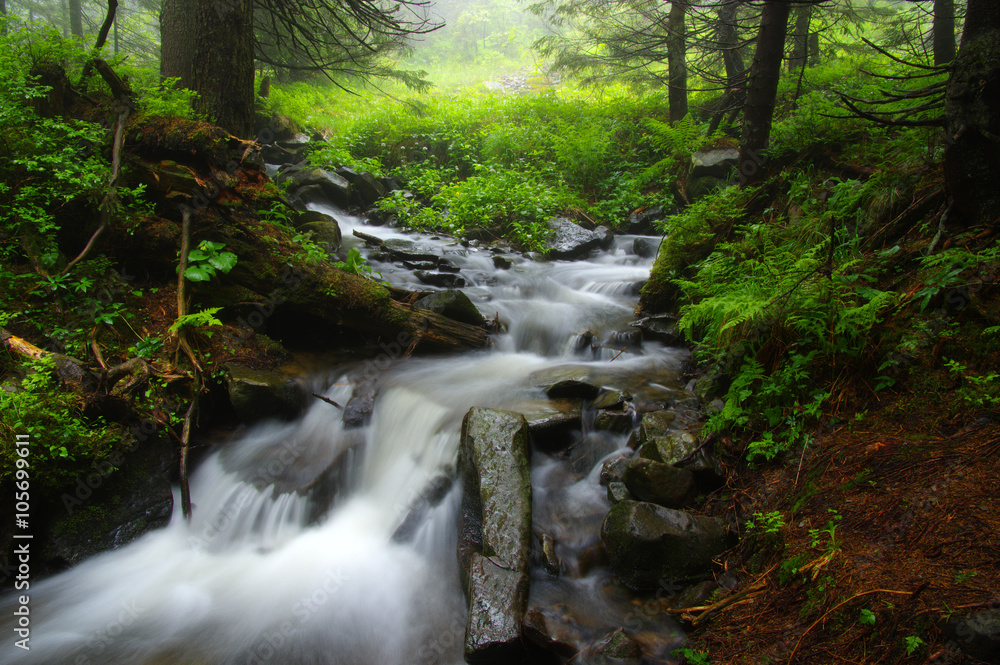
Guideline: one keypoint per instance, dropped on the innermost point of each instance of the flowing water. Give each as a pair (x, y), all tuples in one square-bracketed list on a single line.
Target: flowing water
[(290, 557)]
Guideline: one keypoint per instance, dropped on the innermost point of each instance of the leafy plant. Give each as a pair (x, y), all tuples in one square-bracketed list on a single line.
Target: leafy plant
[(691, 657), (976, 390), (866, 617), (208, 258), (766, 524), (912, 644), (356, 265), (203, 318)]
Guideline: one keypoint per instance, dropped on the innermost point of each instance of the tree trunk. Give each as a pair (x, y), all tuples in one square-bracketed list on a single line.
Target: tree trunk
[(76, 18), (729, 42), (944, 31), (813, 49), (800, 38), (972, 111), (764, 75), (677, 62), (223, 64), (177, 33)]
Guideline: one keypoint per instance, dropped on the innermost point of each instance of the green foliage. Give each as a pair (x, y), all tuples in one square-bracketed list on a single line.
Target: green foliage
[(203, 318), (976, 391), (767, 524), (825, 538), (691, 657), (207, 259), (356, 265), (866, 617), (912, 644), (955, 268)]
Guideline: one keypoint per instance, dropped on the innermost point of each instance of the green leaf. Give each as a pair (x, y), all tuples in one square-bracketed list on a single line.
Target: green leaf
[(224, 262), (199, 273), (197, 255)]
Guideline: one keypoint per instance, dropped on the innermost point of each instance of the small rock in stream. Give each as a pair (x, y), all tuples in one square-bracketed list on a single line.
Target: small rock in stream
[(445, 280)]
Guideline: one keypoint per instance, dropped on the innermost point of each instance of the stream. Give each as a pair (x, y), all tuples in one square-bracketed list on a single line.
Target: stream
[(294, 554)]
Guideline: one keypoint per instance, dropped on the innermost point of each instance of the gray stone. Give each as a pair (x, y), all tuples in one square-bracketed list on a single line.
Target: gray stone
[(495, 533), (611, 399), (325, 234), (572, 388), (977, 634), (670, 448), (501, 262), (641, 222), (605, 237), (311, 216), (614, 468), (256, 393), (367, 189), (358, 410), (617, 491), (453, 304), (655, 423), (614, 421), (335, 187), (570, 240), (618, 645), (718, 163), (445, 280), (401, 249), (649, 545), (645, 247), (662, 328), (658, 483)]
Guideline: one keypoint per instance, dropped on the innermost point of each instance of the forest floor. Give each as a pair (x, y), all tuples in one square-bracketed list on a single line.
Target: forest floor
[(892, 524)]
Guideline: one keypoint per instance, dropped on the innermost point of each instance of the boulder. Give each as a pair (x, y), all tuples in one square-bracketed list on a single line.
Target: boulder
[(641, 221), (655, 423), (718, 163), (572, 388), (617, 491), (669, 449), (570, 240), (256, 393), (121, 499), (312, 216), (495, 540), (605, 237), (366, 188), (662, 328), (325, 234), (304, 196), (614, 468), (430, 497), (614, 421), (501, 262), (444, 280), (553, 423), (335, 187), (402, 249), (977, 634), (358, 410), (618, 645), (453, 304), (611, 399), (658, 483), (645, 247), (649, 545)]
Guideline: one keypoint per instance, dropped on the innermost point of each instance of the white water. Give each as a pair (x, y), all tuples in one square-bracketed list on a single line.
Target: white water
[(257, 577)]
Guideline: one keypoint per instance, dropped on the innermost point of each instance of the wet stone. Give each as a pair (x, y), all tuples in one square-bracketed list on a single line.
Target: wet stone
[(658, 483), (573, 388), (445, 280)]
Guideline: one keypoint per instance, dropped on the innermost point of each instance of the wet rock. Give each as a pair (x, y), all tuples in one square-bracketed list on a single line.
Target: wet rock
[(444, 280), (655, 423), (718, 163), (335, 188), (256, 393), (977, 634), (553, 423), (617, 491), (570, 240), (453, 304), (611, 399), (669, 449), (614, 468), (645, 247), (614, 421), (430, 497), (311, 216), (572, 388), (605, 237), (649, 545), (550, 560), (662, 328), (367, 189), (552, 633), (641, 222), (501, 262), (401, 249), (107, 509), (325, 234), (420, 265), (446, 265), (618, 645), (358, 410), (495, 540), (306, 195), (695, 595), (658, 483)]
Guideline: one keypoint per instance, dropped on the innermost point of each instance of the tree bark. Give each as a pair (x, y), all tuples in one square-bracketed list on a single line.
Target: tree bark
[(972, 112), (223, 64), (76, 18), (677, 62), (800, 38), (729, 42), (764, 76), (177, 41), (944, 31)]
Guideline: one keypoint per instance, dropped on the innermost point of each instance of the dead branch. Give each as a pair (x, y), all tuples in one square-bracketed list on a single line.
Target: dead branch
[(327, 400)]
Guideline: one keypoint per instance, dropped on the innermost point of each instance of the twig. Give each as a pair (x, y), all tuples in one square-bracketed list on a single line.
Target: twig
[(619, 353), (185, 447), (835, 608), (327, 400)]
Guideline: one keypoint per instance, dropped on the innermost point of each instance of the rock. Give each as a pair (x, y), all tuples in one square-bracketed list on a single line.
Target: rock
[(695, 595), (256, 393), (445, 280), (611, 399), (430, 497), (501, 262), (605, 237), (669, 449), (107, 508), (335, 187), (718, 163), (572, 388), (495, 534), (618, 645), (715, 406), (649, 545), (550, 560), (655, 423), (645, 247), (552, 633), (617, 491), (420, 265), (977, 634), (612, 421), (325, 234), (446, 265), (312, 216), (570, 240), (553, 423), (306, 195), (658, 483), (367, 190), (358, 410), (641, 222), (662, 328), (401, 249), (453, 304), (614, 468), (698, 188)]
